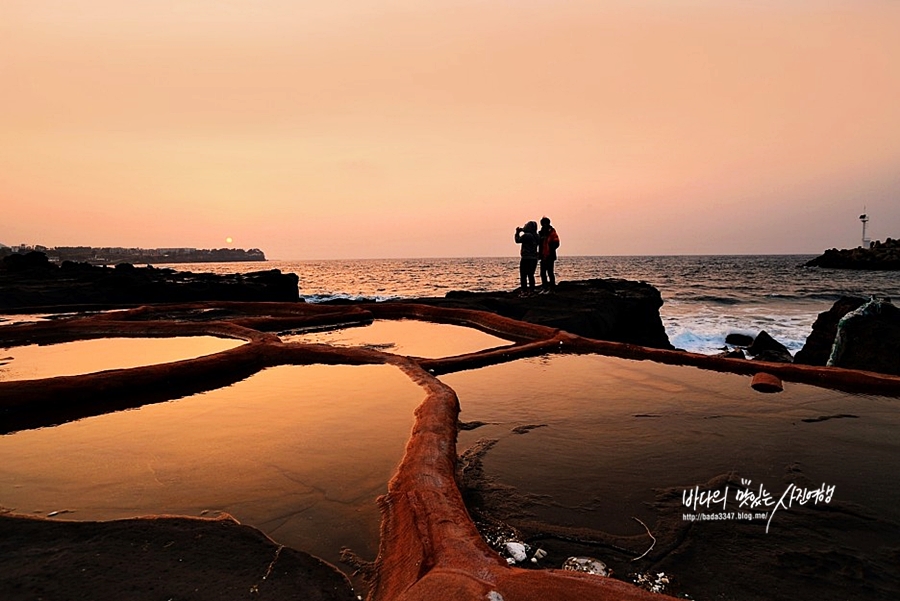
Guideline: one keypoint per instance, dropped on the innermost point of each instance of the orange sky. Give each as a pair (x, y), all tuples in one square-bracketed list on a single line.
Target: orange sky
[(433, 128)]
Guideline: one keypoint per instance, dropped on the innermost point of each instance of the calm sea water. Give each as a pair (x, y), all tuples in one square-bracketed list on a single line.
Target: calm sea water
[(705, 297)]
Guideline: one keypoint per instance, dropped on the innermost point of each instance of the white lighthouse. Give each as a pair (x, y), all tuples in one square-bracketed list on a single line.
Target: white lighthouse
[(866, 243)]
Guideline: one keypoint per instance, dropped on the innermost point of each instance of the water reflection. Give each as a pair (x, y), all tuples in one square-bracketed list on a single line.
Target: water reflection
[(616, 432), (617, 429), (301, 452), (86, 356), (407, 337)]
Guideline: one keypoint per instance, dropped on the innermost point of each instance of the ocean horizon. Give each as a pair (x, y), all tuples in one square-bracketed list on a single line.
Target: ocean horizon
[(705, 297)]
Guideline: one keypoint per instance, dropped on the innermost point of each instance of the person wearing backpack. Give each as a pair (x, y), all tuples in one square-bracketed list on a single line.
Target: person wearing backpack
[(549, 243)]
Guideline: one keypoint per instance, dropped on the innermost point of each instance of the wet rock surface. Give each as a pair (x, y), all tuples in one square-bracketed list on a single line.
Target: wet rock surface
[(157, 558), (797, 559), (761, 348), (732, 353), (856, 333), (869, 338), (766, 348), (615, 310), (737, 339), (817, 348)]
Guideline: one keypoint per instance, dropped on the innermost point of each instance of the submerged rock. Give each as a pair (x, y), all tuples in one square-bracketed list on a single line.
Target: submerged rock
[(588, 565), (516, 551), (657, 582)]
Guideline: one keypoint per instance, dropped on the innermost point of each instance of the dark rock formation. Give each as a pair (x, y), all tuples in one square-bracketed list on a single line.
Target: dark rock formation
[(766, 348), (32, 281), (868, 338), (33, 263), (817, 348), (613, 310), (739, 339), (732, 354), (881, 256), (856, 334)]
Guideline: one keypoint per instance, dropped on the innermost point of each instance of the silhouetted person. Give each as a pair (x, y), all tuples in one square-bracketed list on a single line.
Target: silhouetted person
[(528, 237), (549, 244)]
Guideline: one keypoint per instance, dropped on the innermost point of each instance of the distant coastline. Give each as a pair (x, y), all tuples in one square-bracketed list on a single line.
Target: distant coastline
[(136, 256)]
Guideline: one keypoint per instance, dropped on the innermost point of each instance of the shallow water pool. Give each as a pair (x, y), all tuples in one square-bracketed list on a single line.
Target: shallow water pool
[(407, 337), (589, 442), (300, 452), (34, 361)]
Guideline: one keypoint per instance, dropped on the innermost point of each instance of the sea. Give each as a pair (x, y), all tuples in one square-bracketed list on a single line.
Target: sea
[(705, 298)]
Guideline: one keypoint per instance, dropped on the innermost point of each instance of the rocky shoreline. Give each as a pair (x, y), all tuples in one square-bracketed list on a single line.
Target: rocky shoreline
[(31, 283), (422, 503), (612, 310), (880, 256), (855, 333)]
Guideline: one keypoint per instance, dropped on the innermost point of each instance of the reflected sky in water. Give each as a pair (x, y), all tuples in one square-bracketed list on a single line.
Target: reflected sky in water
[(300, 452), (86, 356), (407, 337), (615, 430)]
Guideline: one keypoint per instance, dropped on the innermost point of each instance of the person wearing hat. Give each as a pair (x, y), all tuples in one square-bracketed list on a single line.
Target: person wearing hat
[(549, 243)]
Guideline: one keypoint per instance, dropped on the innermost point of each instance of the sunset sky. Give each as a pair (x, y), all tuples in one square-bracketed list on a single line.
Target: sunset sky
[(432, 128)]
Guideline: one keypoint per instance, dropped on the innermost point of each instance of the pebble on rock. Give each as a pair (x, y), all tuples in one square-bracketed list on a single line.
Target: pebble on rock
[(517, 551)]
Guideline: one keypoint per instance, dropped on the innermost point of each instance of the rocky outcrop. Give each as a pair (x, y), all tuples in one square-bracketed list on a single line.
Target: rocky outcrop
[(766, 348), (857, 334), (761, 348), (869, 338), (817, 348), (880, 256), (737, 339), (31, 280), (614, 310), (732, 353)]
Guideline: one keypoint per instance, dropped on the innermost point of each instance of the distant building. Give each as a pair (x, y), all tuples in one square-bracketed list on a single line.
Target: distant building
[(866, 242)]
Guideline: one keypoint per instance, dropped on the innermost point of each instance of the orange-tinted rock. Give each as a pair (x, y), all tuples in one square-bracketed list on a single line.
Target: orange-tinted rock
[(763, 382)]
